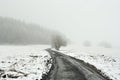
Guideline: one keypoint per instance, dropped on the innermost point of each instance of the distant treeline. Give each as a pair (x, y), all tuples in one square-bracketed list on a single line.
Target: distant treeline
[(17, 32)]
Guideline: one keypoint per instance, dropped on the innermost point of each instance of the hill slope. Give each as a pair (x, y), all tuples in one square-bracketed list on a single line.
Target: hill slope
[(16, 32)]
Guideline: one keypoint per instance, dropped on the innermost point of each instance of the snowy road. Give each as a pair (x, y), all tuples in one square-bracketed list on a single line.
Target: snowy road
[(68, 68)]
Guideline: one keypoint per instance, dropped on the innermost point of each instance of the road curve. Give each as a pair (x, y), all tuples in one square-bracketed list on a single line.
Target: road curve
[(68, 68)]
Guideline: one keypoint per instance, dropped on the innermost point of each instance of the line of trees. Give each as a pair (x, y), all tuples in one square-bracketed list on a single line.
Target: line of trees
[(15, 32)]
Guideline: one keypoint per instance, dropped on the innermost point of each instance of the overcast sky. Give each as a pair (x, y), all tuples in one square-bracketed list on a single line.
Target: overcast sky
[(79, 20)]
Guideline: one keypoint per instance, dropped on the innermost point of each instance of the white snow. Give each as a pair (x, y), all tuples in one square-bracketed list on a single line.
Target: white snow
[(32, 60), (105, 59), (24, 60)]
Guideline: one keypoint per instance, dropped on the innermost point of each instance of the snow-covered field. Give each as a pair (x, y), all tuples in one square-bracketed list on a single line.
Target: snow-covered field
[(29, 62), (23, 62), (105, 59)]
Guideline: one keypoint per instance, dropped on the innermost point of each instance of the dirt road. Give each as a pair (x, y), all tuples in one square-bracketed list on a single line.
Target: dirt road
[(68, 68)]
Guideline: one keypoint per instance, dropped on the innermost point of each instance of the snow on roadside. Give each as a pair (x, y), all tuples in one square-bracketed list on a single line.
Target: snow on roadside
[(108, 64), (29, 65)]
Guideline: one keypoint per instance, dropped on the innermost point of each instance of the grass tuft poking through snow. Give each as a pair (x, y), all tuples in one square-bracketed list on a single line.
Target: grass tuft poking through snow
[(109, 64), (29, 65)]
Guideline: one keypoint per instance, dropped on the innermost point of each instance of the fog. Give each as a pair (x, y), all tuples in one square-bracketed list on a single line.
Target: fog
[(15, 32), (79, 20)]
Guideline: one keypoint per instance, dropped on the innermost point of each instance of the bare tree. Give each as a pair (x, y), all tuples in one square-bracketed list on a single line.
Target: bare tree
[(58, 41)]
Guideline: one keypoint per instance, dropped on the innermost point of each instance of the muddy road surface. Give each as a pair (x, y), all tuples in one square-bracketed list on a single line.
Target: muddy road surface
[(68, 68)]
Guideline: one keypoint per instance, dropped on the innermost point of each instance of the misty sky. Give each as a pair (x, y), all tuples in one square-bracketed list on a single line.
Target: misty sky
[(79, 20)]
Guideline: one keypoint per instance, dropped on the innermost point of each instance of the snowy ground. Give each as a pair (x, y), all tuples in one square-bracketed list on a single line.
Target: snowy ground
[(29, 62), (23, 62), (105, 59)]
